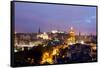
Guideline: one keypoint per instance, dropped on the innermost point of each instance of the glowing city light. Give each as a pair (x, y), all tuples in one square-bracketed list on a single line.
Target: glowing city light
[(94, 48), (15, 32), (47, 58), (43, 36), (70, 43), (82, 42), (71, 28), (15, 50), (55, 51), (54, 31)]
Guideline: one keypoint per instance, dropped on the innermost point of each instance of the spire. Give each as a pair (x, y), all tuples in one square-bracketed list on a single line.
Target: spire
[(39, 31), (79, 33), (79, 36)]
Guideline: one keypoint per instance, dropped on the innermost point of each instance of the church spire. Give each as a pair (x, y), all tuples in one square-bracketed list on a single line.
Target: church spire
[(39, 31)]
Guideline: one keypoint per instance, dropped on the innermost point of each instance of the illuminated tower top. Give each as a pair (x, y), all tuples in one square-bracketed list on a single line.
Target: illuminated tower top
[(71, 39), (71, 28), (71, 32)]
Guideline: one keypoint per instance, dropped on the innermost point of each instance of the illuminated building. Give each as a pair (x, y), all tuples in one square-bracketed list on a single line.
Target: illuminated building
[(55, 51), (71, 38), (43, 36), (16, 40), (80, 39), (54, 31), (82, 42), (47, 58)]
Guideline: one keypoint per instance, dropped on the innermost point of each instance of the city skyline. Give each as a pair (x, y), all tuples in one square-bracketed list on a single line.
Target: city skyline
[(29, 17)]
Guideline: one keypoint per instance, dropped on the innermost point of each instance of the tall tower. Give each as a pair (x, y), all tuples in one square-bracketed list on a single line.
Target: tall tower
[(79, 36), (71, 38), (39, 31)]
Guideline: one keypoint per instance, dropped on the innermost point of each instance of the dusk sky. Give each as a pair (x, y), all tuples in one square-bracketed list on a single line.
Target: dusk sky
[(30, 16)]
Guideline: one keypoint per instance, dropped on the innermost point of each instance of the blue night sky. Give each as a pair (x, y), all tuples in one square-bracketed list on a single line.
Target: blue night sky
[(30, 16)]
